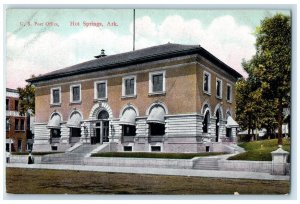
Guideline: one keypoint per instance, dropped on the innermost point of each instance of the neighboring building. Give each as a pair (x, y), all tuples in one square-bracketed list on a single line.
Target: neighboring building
[(17, 129), (168, 98)]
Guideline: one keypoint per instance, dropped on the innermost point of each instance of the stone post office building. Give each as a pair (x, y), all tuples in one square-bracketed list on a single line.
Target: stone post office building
[(168, 98)]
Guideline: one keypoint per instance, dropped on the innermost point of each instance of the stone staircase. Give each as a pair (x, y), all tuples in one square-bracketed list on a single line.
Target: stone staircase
[(206, 163), (75, 157)]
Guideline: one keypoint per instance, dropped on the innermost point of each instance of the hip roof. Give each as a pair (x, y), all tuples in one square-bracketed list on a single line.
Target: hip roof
[(149, 54)]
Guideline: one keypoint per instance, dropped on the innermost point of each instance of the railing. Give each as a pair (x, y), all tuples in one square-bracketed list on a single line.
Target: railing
[(12, 113)]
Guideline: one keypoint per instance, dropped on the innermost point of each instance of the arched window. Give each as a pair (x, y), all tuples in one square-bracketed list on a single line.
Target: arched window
[(103, 115), (74, 123), (156, 120), (128, 122), (54, 126), (205, 122)]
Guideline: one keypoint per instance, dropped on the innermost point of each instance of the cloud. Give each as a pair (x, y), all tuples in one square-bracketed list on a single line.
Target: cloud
[(48, 51), (51, 51), (223, 37)]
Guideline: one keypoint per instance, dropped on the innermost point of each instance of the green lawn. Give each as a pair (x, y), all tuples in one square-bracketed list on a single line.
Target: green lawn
[(156, 155), (260, 150), (39, 181)]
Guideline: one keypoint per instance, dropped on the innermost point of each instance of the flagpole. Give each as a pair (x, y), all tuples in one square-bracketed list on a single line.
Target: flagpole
[(133, 29)]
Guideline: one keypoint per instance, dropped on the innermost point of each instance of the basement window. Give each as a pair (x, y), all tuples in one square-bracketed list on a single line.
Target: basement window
[(54, 148), (155, 149), (127, 148)]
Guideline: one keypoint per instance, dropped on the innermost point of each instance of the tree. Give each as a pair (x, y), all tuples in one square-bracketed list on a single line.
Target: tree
[(26, 99), (264, 94), (273, 63)]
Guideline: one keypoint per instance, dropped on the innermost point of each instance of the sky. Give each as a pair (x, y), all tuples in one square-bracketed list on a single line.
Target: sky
[(43, 40)]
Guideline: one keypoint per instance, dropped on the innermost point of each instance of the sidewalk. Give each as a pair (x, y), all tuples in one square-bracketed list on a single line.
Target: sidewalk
[(156, 171)]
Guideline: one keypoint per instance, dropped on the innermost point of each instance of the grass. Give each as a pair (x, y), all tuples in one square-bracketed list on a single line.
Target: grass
[(156, 155), (260, 150), (38, 181), (34, 153)]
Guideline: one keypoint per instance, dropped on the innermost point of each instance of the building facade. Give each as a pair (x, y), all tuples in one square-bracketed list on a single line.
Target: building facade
[(17, 128), (167, 98)]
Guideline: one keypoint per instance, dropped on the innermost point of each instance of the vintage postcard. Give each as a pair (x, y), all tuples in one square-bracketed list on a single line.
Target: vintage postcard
[(148, 101)]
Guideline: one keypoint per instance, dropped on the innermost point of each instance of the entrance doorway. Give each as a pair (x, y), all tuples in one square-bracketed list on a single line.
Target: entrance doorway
[(101, 128), (217, 125)]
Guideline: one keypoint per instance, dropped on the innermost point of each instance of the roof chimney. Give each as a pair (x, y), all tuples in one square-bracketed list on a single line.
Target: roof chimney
[(102, 54)]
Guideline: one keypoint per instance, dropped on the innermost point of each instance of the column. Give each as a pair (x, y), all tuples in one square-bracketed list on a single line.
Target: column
[(212, 128), (65, 134), (86, 133)]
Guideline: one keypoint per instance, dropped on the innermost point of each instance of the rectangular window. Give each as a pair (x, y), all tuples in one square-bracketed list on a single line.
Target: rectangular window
[(75, 132), (157, 129), (206, 82), (19, 145), (55, 133), (16, 124), (54, 148), (129, 86), (157, 82), (7, 104), (228, 132), (127, 148), (16, 105), (7, 124), (7, 147), (219, 88), (22, 124), (29, 147), (155, 148), (229, 90), (100, 90), (75, 93), (55, 95), (129, 130)]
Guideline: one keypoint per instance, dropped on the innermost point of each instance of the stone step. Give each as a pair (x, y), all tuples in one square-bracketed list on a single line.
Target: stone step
[(74, 156), (206, 168), (206, 164)]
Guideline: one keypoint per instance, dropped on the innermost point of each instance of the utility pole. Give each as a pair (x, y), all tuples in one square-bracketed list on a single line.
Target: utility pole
[(133, 29)]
